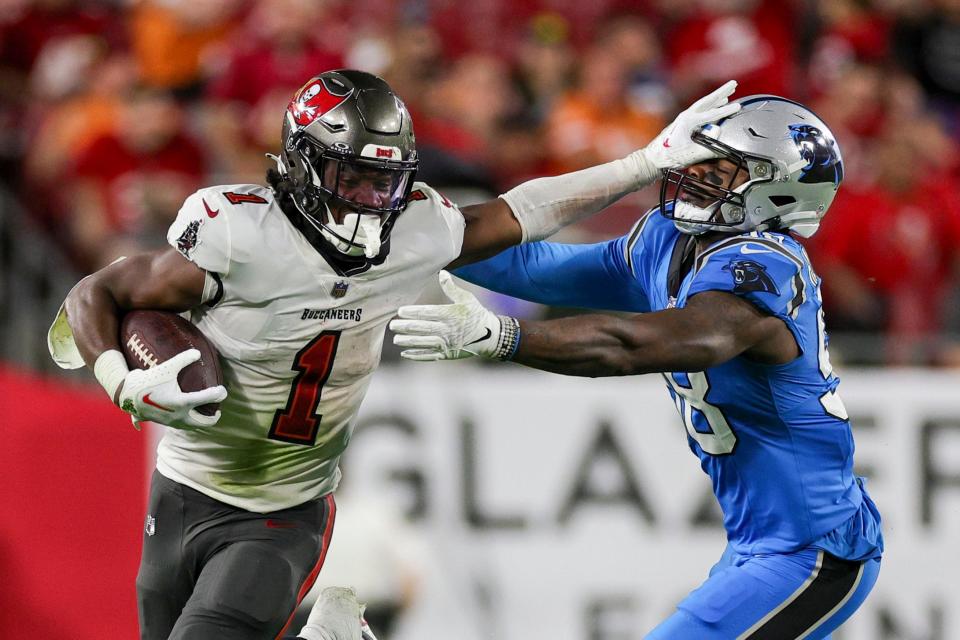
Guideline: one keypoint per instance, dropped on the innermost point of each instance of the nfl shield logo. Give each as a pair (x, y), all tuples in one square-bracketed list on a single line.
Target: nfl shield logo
[(150, 526), (339, 289)]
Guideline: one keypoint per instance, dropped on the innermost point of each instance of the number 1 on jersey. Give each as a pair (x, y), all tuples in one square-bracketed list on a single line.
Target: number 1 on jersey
[(298, 422)]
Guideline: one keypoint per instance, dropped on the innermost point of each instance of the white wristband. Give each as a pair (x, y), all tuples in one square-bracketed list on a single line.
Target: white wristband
[(545, 205), (110, 370)]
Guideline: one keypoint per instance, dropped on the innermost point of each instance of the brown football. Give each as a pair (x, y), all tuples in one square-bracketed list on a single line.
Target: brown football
[(151, 337)]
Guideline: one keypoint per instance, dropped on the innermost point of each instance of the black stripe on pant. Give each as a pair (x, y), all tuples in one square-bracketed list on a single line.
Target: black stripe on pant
[(833, 583)]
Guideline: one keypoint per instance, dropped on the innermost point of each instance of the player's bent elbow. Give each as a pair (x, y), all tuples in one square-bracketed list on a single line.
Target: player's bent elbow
[(691, 357), (711, 352), (83, 294), (93, 294)]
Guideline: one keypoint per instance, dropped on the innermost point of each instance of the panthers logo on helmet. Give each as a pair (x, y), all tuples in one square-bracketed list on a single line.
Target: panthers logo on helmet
[(820, 153), (750, 275), (314, 99)]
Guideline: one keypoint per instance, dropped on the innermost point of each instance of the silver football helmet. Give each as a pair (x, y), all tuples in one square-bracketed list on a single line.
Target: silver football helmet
[(793, 164), (342, 128)]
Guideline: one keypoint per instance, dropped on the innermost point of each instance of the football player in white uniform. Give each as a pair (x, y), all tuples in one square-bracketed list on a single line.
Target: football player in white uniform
[(294, 284)]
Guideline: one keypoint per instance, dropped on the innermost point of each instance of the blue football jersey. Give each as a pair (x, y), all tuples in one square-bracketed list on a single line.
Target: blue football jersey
[(774, 439)]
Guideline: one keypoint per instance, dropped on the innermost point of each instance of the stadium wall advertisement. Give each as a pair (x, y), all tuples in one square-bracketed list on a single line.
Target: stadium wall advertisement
[(542, 506), (572, 509)]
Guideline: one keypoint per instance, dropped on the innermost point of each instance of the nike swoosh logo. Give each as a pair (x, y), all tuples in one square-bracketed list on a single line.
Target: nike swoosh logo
[(481, 338), (149, 401), (210, 212), (746, 249), (666, 143), (280, 524)]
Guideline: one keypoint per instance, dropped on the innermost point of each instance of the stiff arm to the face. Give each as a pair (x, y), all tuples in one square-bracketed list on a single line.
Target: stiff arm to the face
[(539, 208)]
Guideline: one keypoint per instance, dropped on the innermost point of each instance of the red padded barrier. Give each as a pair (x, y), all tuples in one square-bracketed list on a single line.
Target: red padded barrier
[(72, 499)]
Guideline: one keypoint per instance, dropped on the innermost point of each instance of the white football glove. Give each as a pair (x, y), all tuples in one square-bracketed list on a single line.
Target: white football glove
[(674, 148), (154, 395), (447, 331)]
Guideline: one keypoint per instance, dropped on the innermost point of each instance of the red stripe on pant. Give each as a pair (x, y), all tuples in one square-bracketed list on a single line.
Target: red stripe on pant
[(312, 576)]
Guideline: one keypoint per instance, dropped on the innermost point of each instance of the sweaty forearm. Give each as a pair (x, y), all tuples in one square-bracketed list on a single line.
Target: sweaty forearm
[(580, 346), (159, 280), (600, 345), (93, 315)]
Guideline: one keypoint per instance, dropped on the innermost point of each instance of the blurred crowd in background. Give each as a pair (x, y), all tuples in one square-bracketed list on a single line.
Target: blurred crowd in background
[(114, 111)]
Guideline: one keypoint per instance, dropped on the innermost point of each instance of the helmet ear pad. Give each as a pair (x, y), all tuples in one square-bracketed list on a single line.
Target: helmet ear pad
[(309, 202), (306, 196)]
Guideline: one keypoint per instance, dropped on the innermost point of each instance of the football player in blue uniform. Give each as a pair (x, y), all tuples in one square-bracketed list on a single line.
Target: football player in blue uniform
[(731, 316)]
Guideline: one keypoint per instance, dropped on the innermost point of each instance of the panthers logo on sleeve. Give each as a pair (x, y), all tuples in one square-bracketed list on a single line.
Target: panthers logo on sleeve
[(750, 275)]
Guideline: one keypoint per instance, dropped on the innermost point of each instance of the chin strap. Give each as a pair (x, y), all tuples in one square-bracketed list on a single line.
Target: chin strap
[(281, 168)]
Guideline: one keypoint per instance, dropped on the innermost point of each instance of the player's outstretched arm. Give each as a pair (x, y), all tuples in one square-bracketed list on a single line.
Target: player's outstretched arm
[(159, 280), (539, 208), (712, 328), (588, 276)]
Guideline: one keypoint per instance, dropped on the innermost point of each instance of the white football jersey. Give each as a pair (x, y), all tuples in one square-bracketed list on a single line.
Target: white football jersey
[(298, 342)]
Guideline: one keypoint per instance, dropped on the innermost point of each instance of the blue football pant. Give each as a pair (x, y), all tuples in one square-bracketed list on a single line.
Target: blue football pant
[(806, 595)]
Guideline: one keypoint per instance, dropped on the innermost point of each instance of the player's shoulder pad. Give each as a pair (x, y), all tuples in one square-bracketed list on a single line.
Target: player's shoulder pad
[(215, 225), (766, 268), (650, 231), (424, 194)]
